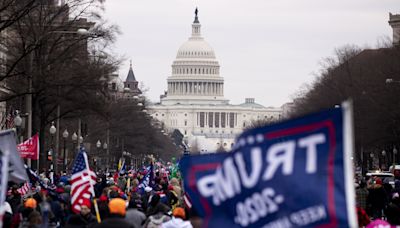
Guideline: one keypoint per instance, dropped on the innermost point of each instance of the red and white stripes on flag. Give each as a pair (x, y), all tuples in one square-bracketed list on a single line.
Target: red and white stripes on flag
[(82, 181), (24, 189), (187, 201)]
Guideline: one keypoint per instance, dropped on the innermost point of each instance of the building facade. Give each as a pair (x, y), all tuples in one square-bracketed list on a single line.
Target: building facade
[(128, 89), (195, 104)]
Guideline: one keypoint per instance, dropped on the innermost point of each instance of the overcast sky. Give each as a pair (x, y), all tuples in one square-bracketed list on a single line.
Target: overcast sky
[(267, 49)]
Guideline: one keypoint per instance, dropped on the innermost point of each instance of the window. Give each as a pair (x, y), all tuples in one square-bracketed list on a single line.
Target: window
[(185, 114), (114, 86), (216, 119), (162, 114), (202, 119), (185, 132), (223, 119), (231, 119), (185, 122), (210, 119)]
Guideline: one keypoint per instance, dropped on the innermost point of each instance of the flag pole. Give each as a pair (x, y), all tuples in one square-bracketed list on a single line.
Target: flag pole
[(88, 171), (96, 208)]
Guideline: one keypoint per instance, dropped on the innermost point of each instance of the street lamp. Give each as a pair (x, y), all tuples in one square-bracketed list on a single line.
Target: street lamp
[(17, 119), (98, 145), (74, 138), (371, 155), (17, 124), (65, 136), (53, 131)]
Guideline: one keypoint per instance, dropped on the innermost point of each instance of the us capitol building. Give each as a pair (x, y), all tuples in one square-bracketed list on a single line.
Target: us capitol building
[(194, 102)]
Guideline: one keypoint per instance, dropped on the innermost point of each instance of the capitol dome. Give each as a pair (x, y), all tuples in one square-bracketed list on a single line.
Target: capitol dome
[(195, 48), (195, 75)]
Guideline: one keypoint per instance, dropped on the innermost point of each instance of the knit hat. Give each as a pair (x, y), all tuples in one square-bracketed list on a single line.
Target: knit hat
[(179, 212), (117, 206), (30, 203), (86, 203)]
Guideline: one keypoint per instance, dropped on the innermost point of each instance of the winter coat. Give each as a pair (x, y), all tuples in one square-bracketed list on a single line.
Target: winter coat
[(135, 217), (177, 223), (377, 197), (79, 220), (114, 221)]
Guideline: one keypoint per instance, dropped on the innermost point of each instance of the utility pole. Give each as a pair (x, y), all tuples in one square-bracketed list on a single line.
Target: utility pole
[(28, 106), (57, 148)]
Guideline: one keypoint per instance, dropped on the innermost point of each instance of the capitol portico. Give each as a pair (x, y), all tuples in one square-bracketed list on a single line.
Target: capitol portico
[(195, 104)]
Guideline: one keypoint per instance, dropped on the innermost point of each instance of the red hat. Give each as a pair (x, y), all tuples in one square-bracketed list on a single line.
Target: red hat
[(378, 181), (170, 187), (87, 203), (103, 198)]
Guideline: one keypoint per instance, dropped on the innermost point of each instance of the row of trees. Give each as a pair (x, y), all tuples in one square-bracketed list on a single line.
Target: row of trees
[(57, 66), (371, 78)]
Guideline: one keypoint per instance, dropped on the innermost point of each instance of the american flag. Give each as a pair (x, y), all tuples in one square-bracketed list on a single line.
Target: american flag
[(147, 179), (82, 181), (24, 189)]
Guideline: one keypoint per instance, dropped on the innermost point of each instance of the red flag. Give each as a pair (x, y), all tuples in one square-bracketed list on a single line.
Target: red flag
[(30, 148)]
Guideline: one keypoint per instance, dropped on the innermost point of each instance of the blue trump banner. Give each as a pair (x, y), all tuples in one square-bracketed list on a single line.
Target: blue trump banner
[(296, 173)]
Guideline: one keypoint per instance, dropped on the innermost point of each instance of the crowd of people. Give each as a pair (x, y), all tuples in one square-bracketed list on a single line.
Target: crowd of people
[(120, 201), (130, 200), (378, 200)]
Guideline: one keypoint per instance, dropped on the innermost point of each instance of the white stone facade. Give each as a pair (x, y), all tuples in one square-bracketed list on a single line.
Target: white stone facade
[(394, 22), (195, 104)]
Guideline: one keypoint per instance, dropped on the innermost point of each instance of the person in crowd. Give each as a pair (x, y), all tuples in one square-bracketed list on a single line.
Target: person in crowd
[(117, 208), (156, 206), (173, 200), (377, 199), (85, 218), (101, 183), (178, 220), (392, 211), (362, 217), (122, 182), (362, 195), (30, 205), (177, 187), (148, 192), (8, 213), (15, 198), (134, 216), (396, 188), (64, 178), (34, 220)]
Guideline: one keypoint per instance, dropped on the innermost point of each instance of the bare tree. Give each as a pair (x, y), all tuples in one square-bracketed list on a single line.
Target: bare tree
[(361, 76), (51, 59)]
